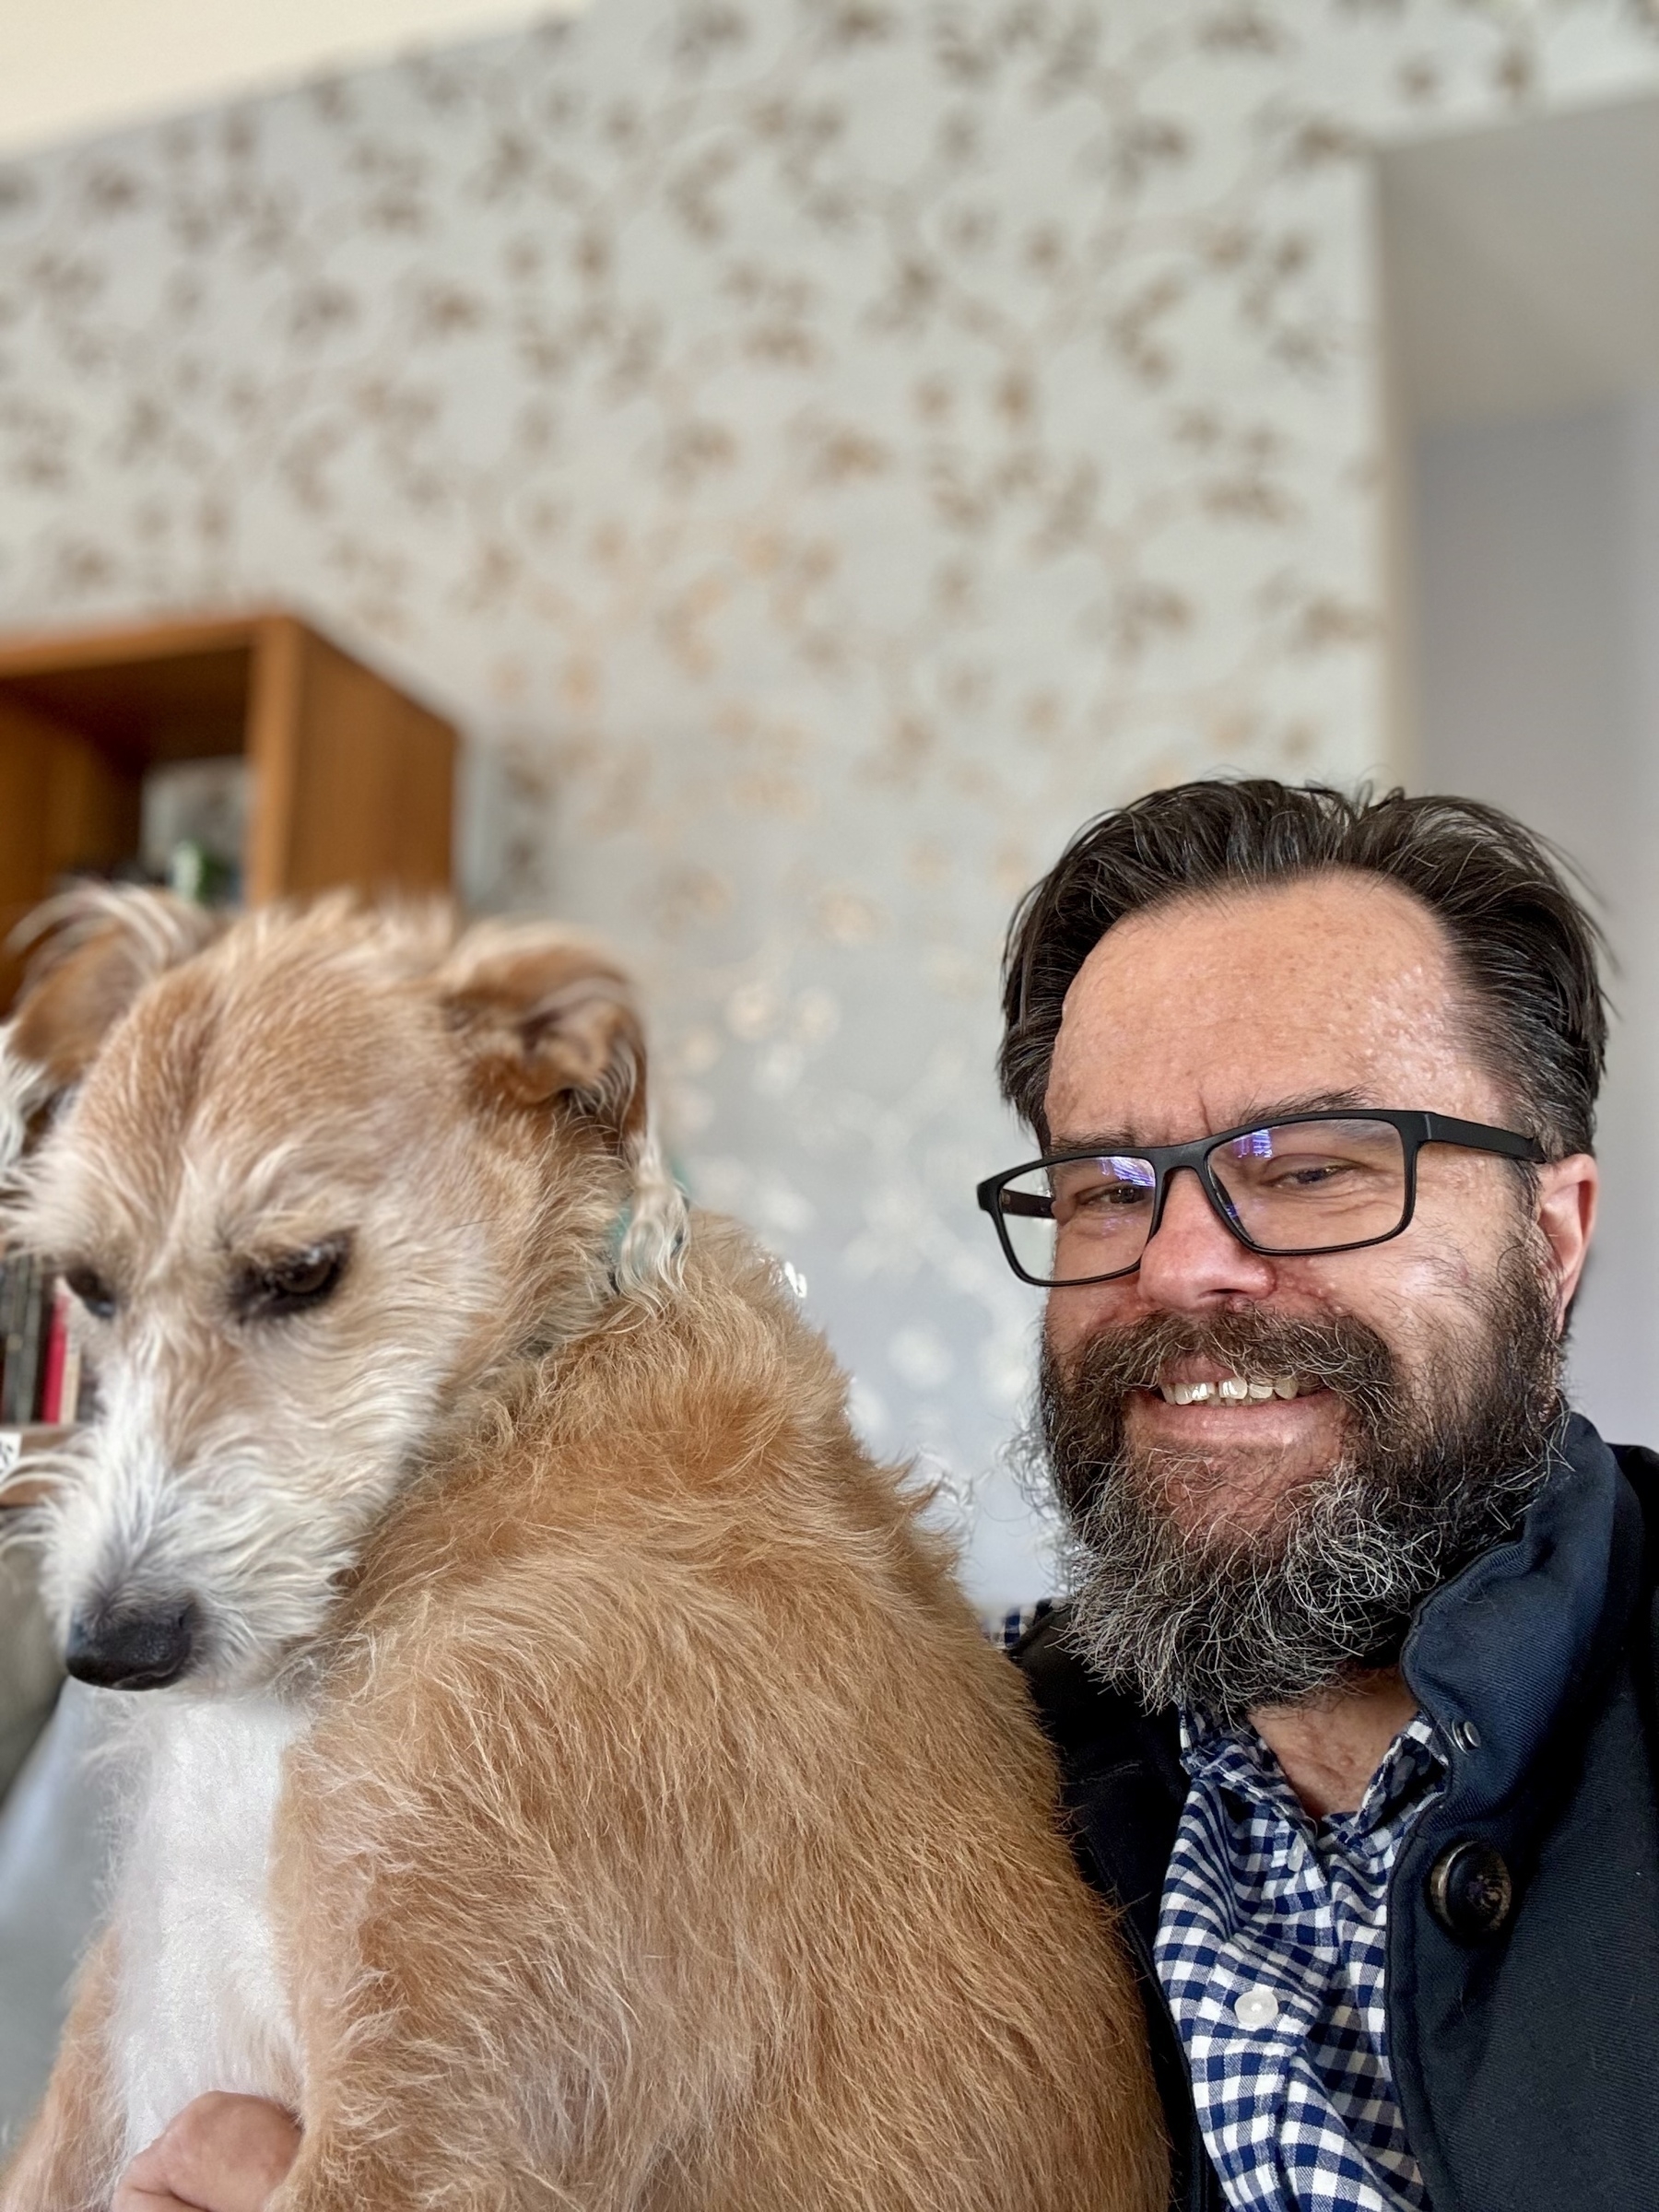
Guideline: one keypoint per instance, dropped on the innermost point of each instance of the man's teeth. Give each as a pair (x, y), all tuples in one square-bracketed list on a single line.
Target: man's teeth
[(1231, 1390)]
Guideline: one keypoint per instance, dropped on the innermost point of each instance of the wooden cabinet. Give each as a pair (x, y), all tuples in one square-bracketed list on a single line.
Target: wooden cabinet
[(352, 781)]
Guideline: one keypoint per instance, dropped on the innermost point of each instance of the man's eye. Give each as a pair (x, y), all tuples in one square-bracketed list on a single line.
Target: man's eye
[(1312, 1174), (291, 1283), (94, 1294), (1112, 1196)]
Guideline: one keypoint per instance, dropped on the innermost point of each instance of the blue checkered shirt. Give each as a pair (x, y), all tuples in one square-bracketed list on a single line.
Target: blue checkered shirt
[(1271, 1949)]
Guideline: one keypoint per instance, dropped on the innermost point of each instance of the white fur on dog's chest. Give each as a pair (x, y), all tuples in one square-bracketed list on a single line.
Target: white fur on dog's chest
[(200, 2004)]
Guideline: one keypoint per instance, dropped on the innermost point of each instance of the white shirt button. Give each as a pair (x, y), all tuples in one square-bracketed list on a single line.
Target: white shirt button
[(1256, 2007)]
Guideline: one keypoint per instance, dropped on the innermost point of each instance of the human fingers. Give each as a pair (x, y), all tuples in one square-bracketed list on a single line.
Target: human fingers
[(130, 2197), (221, 2154)]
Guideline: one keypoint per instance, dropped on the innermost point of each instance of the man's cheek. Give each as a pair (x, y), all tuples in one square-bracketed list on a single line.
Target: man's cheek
[(1073, 1317)]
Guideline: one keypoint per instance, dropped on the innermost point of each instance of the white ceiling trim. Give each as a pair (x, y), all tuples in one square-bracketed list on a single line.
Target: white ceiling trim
[(83, 67)]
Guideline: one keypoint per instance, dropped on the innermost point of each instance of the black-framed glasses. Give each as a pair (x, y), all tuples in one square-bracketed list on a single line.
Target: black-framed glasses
[(1329, 1181)]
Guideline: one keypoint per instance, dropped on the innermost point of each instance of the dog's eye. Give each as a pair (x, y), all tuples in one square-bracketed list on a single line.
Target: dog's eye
[(292, 1283), (94, 1294)]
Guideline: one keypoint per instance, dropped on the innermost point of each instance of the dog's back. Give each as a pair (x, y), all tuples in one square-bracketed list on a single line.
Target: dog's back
[(652, 1829), (663, 1685)]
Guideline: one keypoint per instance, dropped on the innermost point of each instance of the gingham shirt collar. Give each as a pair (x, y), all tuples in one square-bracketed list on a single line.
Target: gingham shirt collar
[(1271, 1949)]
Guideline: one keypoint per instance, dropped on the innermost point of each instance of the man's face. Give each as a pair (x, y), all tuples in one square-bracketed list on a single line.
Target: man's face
[(1208, 1015)]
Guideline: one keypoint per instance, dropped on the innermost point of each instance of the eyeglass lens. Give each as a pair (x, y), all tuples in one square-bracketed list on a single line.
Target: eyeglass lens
[(1296, 1186)]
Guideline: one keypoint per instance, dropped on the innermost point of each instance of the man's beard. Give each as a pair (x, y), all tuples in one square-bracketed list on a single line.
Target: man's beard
[(1274, 1608)]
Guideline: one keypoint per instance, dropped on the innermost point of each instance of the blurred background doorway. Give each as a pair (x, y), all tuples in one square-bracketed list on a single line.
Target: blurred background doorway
[(1522, 297)]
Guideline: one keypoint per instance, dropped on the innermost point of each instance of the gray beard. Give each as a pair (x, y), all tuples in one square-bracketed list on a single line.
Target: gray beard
[(1434, 1472)]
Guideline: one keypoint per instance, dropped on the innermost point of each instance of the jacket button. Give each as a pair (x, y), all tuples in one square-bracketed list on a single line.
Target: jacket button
[(1470, 1892)]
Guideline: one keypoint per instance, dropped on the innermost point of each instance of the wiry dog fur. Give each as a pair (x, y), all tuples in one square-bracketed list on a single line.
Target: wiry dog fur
[(589, 1788)]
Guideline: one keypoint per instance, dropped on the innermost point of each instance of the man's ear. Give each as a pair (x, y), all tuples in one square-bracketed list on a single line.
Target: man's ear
[(94, 950), (543, 1015), (1566, 1200)]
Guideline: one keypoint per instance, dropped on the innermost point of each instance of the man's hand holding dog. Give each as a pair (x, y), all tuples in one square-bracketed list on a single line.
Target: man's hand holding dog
[(221, 2154)]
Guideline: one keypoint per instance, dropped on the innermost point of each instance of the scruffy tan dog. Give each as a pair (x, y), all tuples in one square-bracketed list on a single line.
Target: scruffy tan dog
[(569, 1775)]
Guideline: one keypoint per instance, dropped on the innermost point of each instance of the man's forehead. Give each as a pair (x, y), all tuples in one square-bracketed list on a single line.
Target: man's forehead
[(1199, 1013)]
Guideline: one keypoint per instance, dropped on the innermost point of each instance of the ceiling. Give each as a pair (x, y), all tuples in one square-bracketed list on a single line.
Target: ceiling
[(69, 68), (1523, 264)]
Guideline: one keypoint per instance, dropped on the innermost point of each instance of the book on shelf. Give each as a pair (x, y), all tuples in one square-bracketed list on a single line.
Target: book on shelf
[(44, 1380), (17, 1378)]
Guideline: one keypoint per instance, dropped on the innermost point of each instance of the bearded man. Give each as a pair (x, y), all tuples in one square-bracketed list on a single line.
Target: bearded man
[(1355, 1693)]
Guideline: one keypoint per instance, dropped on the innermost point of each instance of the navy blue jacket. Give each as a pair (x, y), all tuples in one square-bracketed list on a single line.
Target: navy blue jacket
[(1525, 2047)]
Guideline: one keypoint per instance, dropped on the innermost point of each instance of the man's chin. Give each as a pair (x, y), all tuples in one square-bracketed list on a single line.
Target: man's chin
[(1237, 1465)]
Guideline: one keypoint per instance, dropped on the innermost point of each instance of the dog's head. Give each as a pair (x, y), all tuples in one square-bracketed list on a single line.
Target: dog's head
[(313, 1176)]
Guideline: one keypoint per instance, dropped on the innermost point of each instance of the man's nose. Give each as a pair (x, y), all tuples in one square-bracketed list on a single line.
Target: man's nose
[(1193, 1261), (125, 1646)]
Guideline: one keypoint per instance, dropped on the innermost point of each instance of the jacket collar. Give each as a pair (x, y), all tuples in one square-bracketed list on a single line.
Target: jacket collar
[(1501, 1658), (1513, 1647)]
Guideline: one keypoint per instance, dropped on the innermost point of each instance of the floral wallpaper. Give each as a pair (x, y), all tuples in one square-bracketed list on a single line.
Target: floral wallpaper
[(821, 451)]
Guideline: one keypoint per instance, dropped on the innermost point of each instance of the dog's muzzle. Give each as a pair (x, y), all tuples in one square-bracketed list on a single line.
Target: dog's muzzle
[(133, 1647)]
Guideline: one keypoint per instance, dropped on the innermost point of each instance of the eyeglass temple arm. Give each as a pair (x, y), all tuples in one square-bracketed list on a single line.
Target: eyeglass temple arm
[(1446, 1129), (1023, 1202)]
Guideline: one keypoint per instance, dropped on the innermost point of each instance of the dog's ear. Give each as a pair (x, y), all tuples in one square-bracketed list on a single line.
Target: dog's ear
[(546, 1015), (94, 950)]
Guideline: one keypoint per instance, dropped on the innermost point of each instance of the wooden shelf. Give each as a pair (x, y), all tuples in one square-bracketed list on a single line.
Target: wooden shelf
[(353, 781)]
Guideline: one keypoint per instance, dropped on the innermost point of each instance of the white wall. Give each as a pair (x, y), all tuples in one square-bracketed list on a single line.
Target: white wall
[(1538, 669)]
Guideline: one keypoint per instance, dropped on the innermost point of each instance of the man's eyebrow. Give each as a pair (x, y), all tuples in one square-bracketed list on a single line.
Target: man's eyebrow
[(1259, 1116)]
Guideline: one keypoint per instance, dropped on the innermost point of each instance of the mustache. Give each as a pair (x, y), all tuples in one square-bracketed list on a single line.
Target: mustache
[(1339, 1352)]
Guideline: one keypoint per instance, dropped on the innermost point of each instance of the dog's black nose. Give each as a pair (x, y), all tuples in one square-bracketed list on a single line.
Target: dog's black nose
[(132, 1648)]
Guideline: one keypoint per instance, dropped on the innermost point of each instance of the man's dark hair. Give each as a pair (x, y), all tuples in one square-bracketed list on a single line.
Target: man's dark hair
[(1526, 944)]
